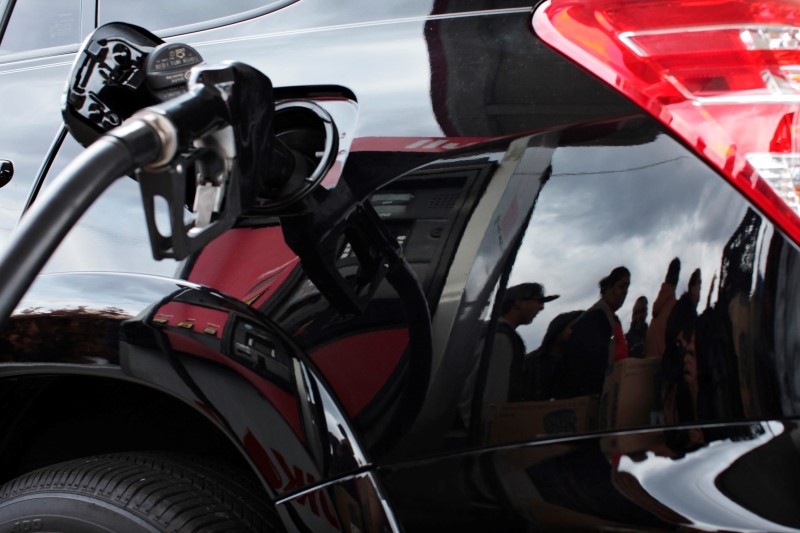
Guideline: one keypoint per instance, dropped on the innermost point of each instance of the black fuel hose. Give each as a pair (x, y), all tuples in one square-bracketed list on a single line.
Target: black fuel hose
[(58, 208)]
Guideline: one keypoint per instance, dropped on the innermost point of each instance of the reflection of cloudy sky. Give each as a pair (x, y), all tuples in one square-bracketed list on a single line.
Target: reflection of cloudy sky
[(130, 293), (697, 474), (612, 206), (394, 76), (303, 15), (31, 109)]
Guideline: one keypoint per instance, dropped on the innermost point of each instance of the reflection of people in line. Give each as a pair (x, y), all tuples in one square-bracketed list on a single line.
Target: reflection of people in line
[(685, 310), (638, 330), (679, 365), (665, 301), (597, 338), (718, 367), (544, 363), (505, 380)]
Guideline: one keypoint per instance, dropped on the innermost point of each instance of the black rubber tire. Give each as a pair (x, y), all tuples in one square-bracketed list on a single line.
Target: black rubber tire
[(134, 492)]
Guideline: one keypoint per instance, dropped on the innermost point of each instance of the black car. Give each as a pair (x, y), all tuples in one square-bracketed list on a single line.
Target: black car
[(460, 265)]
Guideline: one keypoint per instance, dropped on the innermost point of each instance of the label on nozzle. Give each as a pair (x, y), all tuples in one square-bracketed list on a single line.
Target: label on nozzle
[(168, 69)]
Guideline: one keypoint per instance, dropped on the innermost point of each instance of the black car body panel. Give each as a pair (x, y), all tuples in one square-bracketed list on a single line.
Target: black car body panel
[(493, 161)]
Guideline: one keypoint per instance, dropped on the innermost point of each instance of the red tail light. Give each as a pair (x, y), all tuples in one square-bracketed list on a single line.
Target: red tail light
[(724, 75)]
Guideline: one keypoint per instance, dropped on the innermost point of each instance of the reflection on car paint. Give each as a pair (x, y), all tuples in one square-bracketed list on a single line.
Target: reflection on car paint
[(480, 195), (638, 479), (704, 357)]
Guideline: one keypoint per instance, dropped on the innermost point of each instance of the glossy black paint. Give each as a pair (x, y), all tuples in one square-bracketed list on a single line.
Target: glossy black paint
[(495, 161), (245, 361), (648, 481)]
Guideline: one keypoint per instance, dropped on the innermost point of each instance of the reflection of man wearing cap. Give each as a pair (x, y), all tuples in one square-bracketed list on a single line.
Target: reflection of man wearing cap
[(505, 380)]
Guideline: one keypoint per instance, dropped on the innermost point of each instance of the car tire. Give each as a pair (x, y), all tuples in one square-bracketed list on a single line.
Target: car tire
[(134, 492)]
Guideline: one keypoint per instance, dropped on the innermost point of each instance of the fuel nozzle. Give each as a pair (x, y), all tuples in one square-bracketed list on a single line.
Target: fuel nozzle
[(217, 154), (231, 95), (220, 133)]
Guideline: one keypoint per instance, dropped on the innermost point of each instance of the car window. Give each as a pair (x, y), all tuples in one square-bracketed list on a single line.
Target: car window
[(42, 24), (155, 15)]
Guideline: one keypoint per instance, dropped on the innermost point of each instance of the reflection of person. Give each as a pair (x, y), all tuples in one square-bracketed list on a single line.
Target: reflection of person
[(505, 380), (597, 339), (665, 301), (544, 363), (685, 309), (680, 381), (679, 365), (638, 330)]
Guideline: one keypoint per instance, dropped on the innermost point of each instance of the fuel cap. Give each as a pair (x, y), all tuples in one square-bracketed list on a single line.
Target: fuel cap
[(168, 69)]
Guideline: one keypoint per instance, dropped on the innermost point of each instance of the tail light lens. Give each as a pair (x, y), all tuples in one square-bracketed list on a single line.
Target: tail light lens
[(724, 75)]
